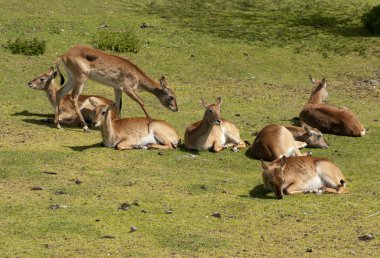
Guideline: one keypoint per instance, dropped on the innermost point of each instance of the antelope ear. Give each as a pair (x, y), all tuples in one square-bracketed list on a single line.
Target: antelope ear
[(204, 103), (324, 83), (306, 128), (93, 102), (283, 161), (312, 79), (219, 101), (55, 73), (163, 83), (263, 165)]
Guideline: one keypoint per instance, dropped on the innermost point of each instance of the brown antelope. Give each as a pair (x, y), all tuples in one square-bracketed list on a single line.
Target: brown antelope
[(67, 116), (309, 135), (83, 63), (212, 132), (273, 142), (327, 118), (133, 133), (295, 175)]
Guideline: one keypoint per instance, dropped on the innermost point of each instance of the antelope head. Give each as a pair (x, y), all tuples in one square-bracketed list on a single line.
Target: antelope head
[(274, 172), (167, 97), (100, 112), (319, 93), (43, 81), (314, 137), (212, 113)]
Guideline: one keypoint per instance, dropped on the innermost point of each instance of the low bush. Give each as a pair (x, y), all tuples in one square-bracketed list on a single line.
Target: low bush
[(28, 47), (118, 41), (371, 20)]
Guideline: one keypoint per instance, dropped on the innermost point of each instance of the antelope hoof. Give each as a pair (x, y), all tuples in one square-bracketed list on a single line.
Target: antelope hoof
[(309, 153), (320, 191), (234, 149), (85, 129), (58, 126)]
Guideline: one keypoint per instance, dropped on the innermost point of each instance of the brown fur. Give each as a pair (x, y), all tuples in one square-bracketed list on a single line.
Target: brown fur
[(327, 118), (212, 132), (83, 63), (295, 175)]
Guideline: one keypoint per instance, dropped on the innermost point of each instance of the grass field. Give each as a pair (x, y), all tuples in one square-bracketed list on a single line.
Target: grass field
[(257, 56)]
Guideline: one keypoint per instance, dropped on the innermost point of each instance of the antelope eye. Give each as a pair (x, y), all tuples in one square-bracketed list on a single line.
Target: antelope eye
[(171, 98), (42, 79), (210, 110), (319, 137), (103, 113)]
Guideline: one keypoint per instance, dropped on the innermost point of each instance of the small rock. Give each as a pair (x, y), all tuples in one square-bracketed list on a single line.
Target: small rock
[(234, 149), (376, 120), (49, 173), (204, 187), (48, 246), (60, 192), (57, 206), (136, 203), (160, 153), (309, 250), (124, 206), (133, 229), (216, 214), (144, 211), (36, 188), (366, 237), (192, 55), (77, 181), (237, 114), (144, 25), (108, 236), (97, 220), (224, 191), (168, 211)]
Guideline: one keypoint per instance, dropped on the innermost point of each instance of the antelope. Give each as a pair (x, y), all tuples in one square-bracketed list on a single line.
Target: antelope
[(328, 118), (83, 63), (213, 132), (68, 116), (294, 175), (311, 137), (273, 142), (133, 133)]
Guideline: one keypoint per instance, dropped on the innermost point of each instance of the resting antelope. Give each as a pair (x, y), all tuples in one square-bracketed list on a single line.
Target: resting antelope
[(83, 63), (133, 133), (312, 137), (212, 132), (295, 175), (273, 142), (327, 118), (67, 116)]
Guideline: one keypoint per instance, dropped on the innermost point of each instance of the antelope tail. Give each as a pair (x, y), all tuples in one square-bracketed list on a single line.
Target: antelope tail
[(59, 60)]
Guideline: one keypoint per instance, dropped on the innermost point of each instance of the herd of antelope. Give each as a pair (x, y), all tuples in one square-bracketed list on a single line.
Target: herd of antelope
[(289, 172)]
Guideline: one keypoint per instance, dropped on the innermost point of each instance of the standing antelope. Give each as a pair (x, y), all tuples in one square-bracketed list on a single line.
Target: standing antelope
[(273, 142), (83, 63), (327, 118), (212, 132), (295, 175), (309, 135), (67, 116), (133, 133)]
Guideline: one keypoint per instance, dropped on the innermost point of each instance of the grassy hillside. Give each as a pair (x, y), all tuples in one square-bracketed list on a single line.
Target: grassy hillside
[(257, 56)]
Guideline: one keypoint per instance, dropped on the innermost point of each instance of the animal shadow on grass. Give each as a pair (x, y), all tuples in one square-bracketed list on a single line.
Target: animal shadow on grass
[(260, 192), (27, 113), (85, 147), (46, 122)]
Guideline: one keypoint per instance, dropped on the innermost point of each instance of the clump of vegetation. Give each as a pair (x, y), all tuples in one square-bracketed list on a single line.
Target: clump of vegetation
[(371, 20), (118, 41), (28, 47)]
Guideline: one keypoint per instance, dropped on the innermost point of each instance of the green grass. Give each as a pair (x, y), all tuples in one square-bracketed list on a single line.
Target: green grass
[(257, 56)]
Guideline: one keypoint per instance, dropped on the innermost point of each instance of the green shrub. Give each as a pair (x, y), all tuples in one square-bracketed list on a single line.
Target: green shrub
[(371, 20), (28, 47), (118, 41)]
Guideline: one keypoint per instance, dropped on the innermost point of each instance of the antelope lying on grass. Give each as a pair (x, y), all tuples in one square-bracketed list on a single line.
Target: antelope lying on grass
[(273, 142), (312, 137), (83, 63), (302, 175), (67, 116), (212, 132), (327, 118), (133, 133)]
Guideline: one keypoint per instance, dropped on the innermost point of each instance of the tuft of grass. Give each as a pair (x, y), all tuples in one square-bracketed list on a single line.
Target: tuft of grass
[(371, 20), (117, 41), (28, 47)]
